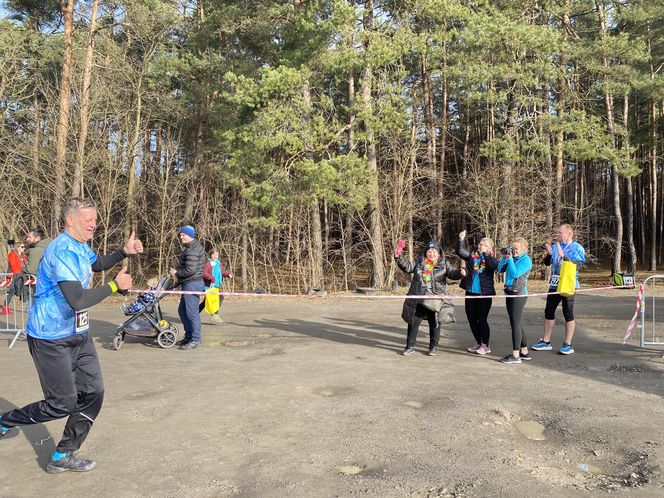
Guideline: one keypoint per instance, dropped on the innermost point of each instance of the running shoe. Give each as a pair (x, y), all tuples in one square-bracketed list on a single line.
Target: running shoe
[(566, 348), (511, 359), (542, 346)]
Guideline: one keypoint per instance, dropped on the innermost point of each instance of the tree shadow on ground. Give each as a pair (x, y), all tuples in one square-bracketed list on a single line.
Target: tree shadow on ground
[(351, 332), (37, 436)]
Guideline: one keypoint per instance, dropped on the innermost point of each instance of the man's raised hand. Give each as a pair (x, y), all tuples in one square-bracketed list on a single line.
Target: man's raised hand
[(133, 245), (123, 279)]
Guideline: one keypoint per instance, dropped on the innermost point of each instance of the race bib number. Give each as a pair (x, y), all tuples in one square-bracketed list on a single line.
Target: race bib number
[(554, 281), (82, 321)]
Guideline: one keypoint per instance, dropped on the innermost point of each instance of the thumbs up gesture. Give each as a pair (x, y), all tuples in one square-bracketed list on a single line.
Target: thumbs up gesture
[(123, 279), (133, 245)]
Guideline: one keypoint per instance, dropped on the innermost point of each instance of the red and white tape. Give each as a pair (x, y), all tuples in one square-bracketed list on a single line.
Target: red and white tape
[(367, 296), (632, 322)]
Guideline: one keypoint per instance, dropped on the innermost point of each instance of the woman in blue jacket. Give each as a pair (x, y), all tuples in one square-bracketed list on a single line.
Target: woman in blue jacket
[(516, 264)]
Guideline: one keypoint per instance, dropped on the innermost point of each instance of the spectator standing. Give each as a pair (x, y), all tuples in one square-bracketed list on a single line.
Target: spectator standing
[(189, 275)]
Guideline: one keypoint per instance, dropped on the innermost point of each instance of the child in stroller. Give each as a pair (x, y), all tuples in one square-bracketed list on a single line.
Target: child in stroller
[(145, 317), (143, 300)]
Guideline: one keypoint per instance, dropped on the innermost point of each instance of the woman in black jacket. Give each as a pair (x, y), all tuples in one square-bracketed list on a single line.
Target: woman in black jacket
[(481, 266), (430, 273)]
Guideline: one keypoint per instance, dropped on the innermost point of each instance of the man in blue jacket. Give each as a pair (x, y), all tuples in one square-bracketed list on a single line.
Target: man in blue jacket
[(61, 347), (566, 249)]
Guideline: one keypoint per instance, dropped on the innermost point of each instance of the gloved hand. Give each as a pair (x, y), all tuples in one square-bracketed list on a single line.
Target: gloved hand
[(399, 248)]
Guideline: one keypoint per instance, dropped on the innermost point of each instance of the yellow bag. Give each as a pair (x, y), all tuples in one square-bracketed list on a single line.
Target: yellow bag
[(212, 300), (567, 280)]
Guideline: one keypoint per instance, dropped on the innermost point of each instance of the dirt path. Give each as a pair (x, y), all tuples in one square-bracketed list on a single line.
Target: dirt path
[(314, 400)]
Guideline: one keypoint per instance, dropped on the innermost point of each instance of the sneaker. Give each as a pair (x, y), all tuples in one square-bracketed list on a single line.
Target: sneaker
[(6, 311), (432, 351), (525, 357), (483, 350), (408, 351), (190, 345), (69, 462), (510, 358), (473, 349), (4, 430), (542, 346), (566, 348), (217, 318), (182, 342)]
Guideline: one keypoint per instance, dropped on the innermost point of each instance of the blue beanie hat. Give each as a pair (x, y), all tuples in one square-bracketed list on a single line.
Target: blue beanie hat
[(188, 230)]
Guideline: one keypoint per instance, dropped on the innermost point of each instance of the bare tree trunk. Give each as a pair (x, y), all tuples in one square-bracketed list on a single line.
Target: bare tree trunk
[(347, 232), (36, 148), (608, 99), (67, 9), (427, 93), (560, 136), (629, 201), (244, 253), (316, 256), (376, 230), (130, 219), (440, 176), (77, 183), (653, 187)]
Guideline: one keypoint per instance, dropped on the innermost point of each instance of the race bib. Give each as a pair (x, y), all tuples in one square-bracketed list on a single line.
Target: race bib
[(554, 281), (82, 321)]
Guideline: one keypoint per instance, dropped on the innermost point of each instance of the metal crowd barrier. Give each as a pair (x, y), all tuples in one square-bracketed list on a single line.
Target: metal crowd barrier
[(14, 314), (655, 337)]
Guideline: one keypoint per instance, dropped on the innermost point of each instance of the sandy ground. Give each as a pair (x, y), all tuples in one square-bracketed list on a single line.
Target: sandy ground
[(311, 398)]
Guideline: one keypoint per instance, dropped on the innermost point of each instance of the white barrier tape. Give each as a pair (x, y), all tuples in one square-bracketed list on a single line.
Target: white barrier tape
[(366, 296), (632, 322)]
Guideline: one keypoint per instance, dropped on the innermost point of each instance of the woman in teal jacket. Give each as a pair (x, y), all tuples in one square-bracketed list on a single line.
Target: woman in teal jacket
[(516, 264)]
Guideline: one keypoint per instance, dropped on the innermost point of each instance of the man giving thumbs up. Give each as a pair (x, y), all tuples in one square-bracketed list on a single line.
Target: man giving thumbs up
[(61, 347)]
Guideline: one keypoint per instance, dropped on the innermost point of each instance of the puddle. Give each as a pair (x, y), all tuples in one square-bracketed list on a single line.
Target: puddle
[(330, 391), (414, 404), (349, 470), (531, 429), (590, 468)]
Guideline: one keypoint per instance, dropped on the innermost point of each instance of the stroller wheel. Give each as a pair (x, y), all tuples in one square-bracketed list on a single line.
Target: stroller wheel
[(167, 338), (118, 340)]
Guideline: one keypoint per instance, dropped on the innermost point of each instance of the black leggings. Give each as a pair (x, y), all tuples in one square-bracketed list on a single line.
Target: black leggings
[(515, 307), (552, 302), (477, 312), (434, 328)]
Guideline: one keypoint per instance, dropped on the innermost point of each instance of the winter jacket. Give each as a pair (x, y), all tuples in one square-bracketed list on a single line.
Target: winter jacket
[(486, 277), (213, 273), (191, 263), (517, 270), (418, 287), (16, 262), (35, 255)]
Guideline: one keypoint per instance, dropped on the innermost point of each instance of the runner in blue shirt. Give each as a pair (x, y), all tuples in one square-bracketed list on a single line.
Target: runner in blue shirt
[(566, 249), (58, 338)]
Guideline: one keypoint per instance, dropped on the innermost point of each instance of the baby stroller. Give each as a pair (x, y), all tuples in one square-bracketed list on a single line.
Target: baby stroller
[(148, 322)]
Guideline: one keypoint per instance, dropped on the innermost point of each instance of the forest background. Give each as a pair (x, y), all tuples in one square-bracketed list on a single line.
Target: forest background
[(303, 138)]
